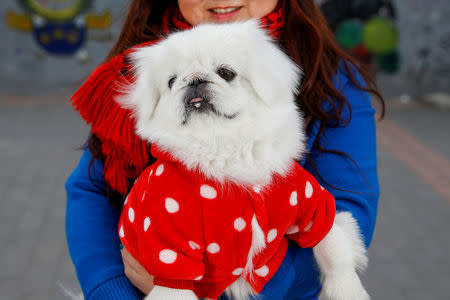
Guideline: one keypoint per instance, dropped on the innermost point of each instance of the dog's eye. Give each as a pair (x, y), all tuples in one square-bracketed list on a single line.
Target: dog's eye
[(171, 81), (226, 73)]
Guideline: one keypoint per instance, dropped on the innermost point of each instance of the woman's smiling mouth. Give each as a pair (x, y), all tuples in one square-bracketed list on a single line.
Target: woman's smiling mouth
[(224, 13)]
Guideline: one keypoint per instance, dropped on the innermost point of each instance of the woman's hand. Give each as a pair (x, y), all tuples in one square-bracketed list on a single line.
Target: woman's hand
[(136, 273)]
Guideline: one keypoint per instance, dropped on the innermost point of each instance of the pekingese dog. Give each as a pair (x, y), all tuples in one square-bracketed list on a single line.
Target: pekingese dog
[(213, 214)]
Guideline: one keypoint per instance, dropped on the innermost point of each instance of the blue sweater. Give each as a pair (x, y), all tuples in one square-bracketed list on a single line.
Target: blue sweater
[(91, 223)]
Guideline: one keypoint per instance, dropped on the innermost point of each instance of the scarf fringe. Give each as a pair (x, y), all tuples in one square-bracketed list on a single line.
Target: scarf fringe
[(126, 154)]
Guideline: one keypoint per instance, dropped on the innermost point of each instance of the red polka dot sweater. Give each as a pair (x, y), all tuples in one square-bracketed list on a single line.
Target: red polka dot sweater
[(191, 232)]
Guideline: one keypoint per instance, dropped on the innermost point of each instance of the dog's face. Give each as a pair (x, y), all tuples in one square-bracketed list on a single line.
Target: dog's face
[(204, 92), (213, 74), (195, 90), (214, 85)]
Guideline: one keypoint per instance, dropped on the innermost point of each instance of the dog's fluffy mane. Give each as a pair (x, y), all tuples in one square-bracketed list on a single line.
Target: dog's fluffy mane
[(263, 140)]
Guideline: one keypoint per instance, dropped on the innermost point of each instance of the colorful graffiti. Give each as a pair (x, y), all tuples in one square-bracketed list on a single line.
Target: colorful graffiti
[(59, 26), (366, 29)]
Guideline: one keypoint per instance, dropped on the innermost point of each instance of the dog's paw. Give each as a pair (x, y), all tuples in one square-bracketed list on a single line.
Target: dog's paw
[(164, 293), (343, 287)]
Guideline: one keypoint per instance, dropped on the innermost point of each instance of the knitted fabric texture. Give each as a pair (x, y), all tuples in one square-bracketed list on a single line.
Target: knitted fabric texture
[(191, 232)]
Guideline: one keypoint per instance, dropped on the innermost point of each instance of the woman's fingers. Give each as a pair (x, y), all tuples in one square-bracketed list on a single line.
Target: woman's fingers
[(137, 274)]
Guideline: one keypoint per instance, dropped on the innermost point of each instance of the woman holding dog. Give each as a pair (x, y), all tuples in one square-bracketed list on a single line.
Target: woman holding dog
[(340, 125)]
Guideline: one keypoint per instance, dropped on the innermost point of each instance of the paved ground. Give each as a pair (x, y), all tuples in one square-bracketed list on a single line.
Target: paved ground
[(38, 149), (409, 255)]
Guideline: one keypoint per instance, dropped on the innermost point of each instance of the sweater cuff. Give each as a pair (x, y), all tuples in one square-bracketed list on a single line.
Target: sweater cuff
[(118, 288)]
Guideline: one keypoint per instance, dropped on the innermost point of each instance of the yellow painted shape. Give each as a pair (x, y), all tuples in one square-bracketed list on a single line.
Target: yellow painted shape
[(45, 38), (99, 21), (72, 37), (60, 15), (58, 34), (17, 21)]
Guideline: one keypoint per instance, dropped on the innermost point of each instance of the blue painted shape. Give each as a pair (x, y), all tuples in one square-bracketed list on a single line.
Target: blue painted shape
[(60, 38)]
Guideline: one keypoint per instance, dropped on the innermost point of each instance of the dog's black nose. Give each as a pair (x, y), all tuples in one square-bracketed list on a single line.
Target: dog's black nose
[(197, 82)]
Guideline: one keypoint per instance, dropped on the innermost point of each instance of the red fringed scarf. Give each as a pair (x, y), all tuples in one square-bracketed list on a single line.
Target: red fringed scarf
[(126, 155)]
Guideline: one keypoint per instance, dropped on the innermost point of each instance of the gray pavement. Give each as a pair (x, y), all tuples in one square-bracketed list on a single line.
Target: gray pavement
[(38, 150), (431, 125), (409, 258), (38, 143)]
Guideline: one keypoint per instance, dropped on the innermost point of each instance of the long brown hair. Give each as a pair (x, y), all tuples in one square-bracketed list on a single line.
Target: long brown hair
[(319, 58)]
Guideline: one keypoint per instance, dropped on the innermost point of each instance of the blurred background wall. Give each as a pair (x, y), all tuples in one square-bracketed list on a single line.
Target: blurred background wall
[(425, 44), (27, 68)]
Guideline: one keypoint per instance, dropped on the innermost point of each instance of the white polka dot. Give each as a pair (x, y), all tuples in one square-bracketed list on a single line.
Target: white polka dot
[(213, 248), (238, 271), (263, 271), (131, 215), (293, 200), (172, 205), (322, 188), (143, 196), (159, 170), (208, 192), (271, 235), (121, 232), (147, 223), (167, 256), (194, 245), (308, 190), (239, 224), (292, 230), (308, 227), (199, 278), (126, 200), (257, 188)]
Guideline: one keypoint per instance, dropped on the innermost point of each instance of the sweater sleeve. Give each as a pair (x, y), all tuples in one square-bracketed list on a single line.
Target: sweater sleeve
[(91, 232), (352, 180), (316, 211)]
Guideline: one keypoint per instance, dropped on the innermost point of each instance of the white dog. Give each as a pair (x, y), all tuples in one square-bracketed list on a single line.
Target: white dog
[(221, 100)]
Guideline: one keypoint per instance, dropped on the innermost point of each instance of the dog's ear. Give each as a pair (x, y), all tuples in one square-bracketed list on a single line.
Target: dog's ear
[(272, 73), (143, 94)]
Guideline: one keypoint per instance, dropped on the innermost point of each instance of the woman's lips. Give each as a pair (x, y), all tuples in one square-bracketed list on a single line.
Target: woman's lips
[(224, 13)]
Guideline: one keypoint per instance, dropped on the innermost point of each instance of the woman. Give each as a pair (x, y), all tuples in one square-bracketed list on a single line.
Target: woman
[(341, 140)]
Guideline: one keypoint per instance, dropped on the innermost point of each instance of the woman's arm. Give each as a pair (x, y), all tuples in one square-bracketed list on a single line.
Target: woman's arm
[(91, 230), (298, 277), (353, 182)]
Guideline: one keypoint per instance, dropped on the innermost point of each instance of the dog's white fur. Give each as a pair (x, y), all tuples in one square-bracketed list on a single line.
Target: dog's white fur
[(268, 121), (261, 136)]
